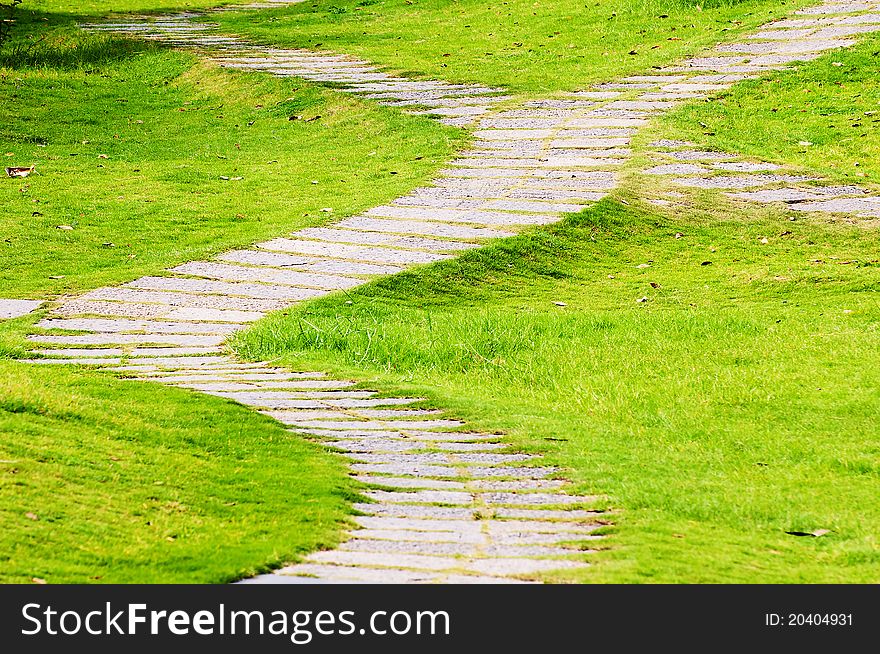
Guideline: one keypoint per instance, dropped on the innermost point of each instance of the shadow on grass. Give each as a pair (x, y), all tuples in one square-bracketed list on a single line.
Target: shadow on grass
[(53, 40)]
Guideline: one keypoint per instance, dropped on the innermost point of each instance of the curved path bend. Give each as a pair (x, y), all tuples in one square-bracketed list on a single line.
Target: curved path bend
[(446, 504)]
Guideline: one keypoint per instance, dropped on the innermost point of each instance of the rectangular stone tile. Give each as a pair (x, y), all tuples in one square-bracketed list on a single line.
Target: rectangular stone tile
[(410, 547), (374, 445), (790, 47), (511, 471), (216, 315), (419, 536), (470, 110), (593, 122), (744, 166), (311, 573), (509, 134), (495, 162), (461, 216), (571, 184), (124, 325), (83, 352), (698, 155), (516, 485), (535, 123), (230, 375), (840, 205), (369, 424), (292, 394), (422, 228), (458, 527), (515, 499), (409, 482), (565, 141), (408, 434), (398, 470), (246, 290), (395, 560), (734, 181), (417, 511), (122, 339), (543, 207), (228, 272), (421, 497), (571, 530), (675, 169), (74, 361), (520, 566), (779, 60), (394, 413), (17, 308), (354, 252), (120, 294), (133, 310), (597, 95), (551, 195), (336, 235), (237, 384), (500, 174), (437, 200), (546, 514), (537, 113)]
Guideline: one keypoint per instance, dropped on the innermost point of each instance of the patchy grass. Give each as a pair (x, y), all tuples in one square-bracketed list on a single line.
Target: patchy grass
[(526, 46), (177, 487), (734, 404), (821, 116), (145, 158)]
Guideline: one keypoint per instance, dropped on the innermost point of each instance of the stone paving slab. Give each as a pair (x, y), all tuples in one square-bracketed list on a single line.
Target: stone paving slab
[(188, 300), (123, 339), (408, 434), (840, 205), (229, 272), (418, 511), (381, 255), (734, 181), (422, 228), (125, 325), (243, 289), (17, 308), (403, 470), (336, 235), (169, 352), (133, 310), (458, 216), (405, 482), (675, 169)]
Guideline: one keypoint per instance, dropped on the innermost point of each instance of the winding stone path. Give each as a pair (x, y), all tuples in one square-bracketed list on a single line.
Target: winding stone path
[(445, 504)]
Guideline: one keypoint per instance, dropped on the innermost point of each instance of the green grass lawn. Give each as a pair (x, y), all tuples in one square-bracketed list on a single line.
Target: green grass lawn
[(737, 402), (719, 390), (176, 486), (523, 45), (822, 116), (113, 481), (131, 144)]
